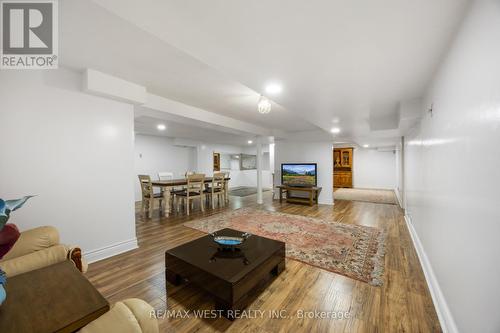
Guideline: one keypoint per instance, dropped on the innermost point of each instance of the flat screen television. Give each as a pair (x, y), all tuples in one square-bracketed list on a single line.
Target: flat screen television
[(299, 174)]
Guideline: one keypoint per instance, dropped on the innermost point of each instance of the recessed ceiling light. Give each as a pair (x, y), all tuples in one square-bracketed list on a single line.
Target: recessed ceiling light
[(335, 130), (273, 88), (161, 127), (250, 142), (366, 146)]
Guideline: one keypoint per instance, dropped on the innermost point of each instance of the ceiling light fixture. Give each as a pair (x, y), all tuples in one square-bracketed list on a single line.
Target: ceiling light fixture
[(250, 142), (161, 127), (273, 88), (264, 105), (335, 130), (366, 146)]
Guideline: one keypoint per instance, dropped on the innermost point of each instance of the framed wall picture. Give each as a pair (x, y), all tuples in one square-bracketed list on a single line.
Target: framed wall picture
[(216, 162), (248, 162)]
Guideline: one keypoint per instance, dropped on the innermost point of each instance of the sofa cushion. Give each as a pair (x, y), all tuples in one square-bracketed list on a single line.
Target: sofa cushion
[(144, 314), (119, 319), (35, 260)]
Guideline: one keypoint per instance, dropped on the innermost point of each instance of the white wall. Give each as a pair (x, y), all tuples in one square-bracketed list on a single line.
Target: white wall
[(75, 152), (238, 177), (313, 152), (374, 169), (155, 154), (452, 175)]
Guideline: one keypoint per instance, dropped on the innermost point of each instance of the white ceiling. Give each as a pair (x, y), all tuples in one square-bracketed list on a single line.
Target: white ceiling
[(146, 121), (92, 37), (147, 125), (342, 63)]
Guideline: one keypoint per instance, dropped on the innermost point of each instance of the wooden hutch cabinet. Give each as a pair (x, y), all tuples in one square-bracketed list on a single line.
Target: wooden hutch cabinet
[(342, 167)]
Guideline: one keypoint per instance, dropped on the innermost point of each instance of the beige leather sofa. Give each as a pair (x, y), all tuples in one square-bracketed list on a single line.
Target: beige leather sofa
[(40, 247), (37, 248), (129, 316)]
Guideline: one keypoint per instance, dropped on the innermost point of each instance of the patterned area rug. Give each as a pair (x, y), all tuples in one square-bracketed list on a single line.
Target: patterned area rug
[(367, 195), (351, 250)]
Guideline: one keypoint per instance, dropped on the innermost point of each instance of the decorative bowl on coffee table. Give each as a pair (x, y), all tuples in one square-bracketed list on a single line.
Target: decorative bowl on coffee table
[(227, 242)]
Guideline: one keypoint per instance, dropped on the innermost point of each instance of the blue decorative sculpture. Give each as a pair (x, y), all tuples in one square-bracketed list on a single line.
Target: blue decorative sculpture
[(6, 207), (8, 234), (3, 294)]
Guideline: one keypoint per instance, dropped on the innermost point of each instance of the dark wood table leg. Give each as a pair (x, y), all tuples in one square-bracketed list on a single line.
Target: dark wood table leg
[(228, 311), (281, 195), (278, 268), (173, 278)]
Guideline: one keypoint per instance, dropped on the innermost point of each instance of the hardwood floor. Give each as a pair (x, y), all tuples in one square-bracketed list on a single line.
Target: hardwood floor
[(402, 304)]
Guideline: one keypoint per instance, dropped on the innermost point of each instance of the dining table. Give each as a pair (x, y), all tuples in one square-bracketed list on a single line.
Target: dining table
[(168, 184)]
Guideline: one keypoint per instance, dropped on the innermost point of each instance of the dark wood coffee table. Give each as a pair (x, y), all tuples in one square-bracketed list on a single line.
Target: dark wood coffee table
[(230, 277), (56, 298)]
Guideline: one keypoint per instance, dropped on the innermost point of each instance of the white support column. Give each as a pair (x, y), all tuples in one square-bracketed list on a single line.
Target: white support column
[(259, 170)]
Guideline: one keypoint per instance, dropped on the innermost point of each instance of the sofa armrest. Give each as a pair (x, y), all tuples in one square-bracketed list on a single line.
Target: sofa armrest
[(144, 313), (33, 240), (129, 316), (35, 260), (75, 255)]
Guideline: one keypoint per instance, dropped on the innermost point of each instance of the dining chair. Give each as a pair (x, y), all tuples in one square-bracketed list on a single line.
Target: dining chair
[(189, 173), (165, 175), (217, 188), (186, 174), (148, 196), (168, 175), (194, 190)]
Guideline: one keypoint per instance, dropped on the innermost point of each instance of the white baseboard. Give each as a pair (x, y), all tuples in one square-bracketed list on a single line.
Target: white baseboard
[(446, 320), (111, 250), (400, 202)]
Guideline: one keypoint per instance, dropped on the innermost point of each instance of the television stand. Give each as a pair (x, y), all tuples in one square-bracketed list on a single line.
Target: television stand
[(312, 191)]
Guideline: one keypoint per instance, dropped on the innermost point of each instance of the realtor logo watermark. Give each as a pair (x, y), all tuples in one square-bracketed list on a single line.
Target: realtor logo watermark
[(29, 34)]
